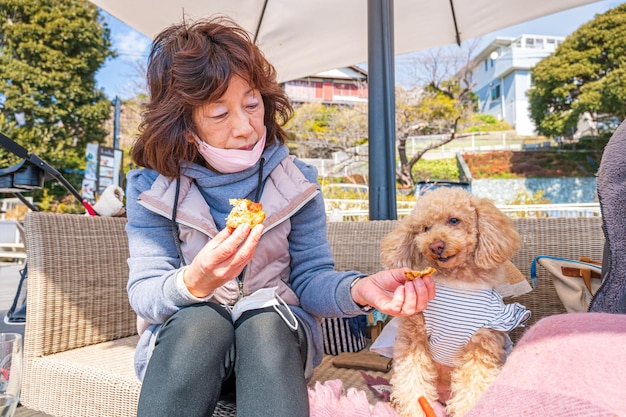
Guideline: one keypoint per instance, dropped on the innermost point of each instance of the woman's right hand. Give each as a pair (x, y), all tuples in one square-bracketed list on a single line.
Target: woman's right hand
[(221, 259)]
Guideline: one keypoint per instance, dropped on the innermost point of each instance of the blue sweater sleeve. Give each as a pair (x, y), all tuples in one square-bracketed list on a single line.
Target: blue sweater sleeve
[(153, 261), (322, 290)]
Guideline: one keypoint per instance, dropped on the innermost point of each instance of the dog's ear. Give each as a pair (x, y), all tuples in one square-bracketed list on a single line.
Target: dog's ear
[(398, 248), (497, 238)]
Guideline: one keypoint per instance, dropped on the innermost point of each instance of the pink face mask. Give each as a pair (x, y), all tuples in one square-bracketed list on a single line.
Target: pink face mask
[(228, 161)]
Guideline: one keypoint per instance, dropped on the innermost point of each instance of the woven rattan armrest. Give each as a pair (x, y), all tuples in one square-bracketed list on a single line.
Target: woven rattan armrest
[(77, 274)]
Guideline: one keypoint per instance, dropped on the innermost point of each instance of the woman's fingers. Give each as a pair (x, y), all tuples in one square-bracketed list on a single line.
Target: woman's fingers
[(226, 254), (222, 259), (395, 306), (410, 298), (422, 296), (430, 287), (225, 244), (245, 251)]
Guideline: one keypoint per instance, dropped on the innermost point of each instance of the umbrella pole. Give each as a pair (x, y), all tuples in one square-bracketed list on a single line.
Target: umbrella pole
[(381, 111)]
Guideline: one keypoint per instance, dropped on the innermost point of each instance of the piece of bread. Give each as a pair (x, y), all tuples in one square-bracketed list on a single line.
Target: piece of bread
[(244, 211), (426, 272)]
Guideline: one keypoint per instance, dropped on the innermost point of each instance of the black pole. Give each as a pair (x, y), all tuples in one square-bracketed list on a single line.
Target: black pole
[(382, 126), (116, 123), (25, 201)]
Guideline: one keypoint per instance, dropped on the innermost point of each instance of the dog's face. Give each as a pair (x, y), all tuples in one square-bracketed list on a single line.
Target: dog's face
[(451, 230), (446, 234)]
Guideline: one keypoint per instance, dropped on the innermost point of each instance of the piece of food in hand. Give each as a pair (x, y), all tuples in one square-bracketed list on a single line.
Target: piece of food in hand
[(426, 272), (244, 211)]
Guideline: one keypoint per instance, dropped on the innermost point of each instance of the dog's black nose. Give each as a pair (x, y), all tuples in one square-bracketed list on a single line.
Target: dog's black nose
[(437, 247)]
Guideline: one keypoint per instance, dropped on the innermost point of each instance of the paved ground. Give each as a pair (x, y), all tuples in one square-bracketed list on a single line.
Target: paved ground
[(9, 280)]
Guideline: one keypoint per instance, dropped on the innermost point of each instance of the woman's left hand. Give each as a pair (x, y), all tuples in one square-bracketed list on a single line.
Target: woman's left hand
[(390, 293)]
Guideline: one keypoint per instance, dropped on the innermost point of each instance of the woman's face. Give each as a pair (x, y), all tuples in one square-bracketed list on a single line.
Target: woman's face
[(235, 120)]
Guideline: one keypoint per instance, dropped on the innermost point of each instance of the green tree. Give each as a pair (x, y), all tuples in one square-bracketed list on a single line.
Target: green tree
[(50, 52), (319, 130), (585, 75), (443, 108)]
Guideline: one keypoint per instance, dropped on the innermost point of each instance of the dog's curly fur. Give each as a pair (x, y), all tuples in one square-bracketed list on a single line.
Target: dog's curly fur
[(467, 239)]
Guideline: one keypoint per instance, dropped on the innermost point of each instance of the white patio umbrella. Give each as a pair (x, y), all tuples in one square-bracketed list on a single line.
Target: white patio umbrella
[(304, 37)]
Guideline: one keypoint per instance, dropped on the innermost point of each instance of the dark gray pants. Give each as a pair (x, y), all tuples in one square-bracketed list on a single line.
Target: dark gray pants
[(200, 355)]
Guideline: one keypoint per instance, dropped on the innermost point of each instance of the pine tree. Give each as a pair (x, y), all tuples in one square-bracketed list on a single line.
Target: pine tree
[(50, 52)]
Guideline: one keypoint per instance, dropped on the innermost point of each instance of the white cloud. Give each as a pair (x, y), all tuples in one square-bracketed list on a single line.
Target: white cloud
[(131, 46)]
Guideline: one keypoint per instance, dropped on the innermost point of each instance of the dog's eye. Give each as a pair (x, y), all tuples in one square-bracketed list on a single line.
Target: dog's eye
[(426, 228), (454, 220)]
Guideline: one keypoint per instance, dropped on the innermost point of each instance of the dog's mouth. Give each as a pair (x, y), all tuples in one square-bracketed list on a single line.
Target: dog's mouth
[(444, 259)]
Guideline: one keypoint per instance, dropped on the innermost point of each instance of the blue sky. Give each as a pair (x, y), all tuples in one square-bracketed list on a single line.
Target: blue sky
[(121, 77)]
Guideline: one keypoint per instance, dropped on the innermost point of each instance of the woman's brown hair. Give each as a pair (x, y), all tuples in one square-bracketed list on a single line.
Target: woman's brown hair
[(189, 65)]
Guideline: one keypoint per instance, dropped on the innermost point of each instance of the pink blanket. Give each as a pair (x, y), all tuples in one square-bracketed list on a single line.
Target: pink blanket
[(565, 365), (331, 400)]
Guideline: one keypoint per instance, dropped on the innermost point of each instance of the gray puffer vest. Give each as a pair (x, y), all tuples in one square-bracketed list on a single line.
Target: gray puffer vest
[(285, 191)]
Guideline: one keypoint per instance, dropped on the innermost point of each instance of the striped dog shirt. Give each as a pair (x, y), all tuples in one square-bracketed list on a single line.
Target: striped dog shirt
[(454, 315)]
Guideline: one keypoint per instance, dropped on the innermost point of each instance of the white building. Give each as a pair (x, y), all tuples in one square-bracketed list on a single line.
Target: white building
[(502, 77)]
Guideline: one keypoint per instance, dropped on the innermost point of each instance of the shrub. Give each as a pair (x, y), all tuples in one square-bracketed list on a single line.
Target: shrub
[(436, 169)]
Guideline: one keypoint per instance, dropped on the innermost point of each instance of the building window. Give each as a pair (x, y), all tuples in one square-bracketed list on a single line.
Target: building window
[(486, 65), (495, 92), (535, 43)]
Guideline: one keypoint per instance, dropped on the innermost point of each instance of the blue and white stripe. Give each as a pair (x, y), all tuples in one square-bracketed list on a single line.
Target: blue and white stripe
[(454, 315)]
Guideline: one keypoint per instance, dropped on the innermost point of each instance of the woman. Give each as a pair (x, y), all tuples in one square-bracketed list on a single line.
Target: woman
[(211, 132)]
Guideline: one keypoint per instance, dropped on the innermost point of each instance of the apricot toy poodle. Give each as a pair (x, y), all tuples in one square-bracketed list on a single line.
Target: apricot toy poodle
[(453, 350)]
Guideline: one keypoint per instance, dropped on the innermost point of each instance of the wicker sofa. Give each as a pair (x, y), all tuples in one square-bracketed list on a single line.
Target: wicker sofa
[(80, 331)]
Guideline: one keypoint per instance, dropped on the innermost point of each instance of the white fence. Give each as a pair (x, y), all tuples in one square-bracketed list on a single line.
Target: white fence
[(357, 210)]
